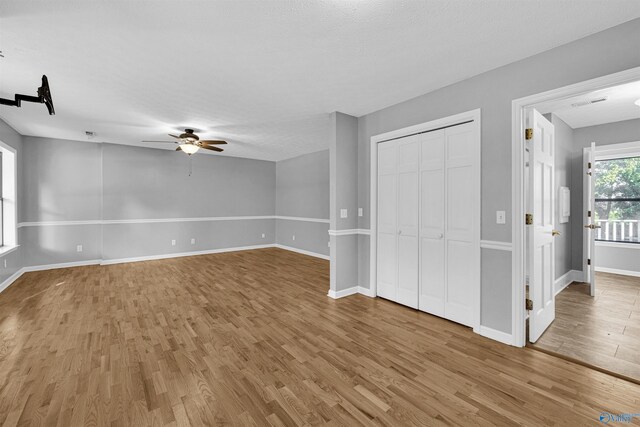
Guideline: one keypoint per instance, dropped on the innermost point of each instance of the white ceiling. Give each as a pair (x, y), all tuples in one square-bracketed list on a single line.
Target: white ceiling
[(618, 106), (262, 74)]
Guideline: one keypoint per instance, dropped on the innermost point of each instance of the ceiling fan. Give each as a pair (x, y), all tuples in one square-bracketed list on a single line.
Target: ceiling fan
[(188, 142)]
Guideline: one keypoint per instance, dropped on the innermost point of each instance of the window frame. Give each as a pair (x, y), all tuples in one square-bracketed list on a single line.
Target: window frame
[(617, 152)]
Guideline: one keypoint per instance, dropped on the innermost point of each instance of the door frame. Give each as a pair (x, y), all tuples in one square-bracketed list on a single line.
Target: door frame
[(518, 125), (474, 115)]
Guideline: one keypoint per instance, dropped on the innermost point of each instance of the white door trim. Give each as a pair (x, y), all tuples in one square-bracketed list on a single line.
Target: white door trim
[(517, 179), (399, 133)]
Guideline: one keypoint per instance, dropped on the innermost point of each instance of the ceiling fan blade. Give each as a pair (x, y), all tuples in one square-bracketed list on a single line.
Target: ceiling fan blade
[(213, 141), (164, 142), (179, 148), (206, 147), (175, 136)]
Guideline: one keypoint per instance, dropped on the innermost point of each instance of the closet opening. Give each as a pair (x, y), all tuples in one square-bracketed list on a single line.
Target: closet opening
[(425, 217)]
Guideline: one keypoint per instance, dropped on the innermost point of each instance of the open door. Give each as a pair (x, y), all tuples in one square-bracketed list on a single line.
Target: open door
[(590, 227), (540, 245)]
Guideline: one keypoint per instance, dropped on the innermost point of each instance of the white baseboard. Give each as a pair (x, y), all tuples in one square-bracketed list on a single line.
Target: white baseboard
[(616, 271), (350, 291), (183, 254), (496, 335), (343, 293), (566, 279), (31, 268), (9, 281), (366, 292), (301, 251)]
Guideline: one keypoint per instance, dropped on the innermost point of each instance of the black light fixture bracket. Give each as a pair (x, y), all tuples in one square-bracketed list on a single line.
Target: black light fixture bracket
[(44, 97)]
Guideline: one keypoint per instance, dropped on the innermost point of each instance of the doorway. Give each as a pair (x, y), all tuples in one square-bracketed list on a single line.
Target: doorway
[(573, 306)]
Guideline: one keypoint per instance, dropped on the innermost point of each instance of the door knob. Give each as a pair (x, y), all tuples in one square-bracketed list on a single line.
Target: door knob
[(592, 226), (555, 233)]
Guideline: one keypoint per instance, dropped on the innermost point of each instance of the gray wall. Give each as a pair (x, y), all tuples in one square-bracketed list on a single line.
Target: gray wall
[(611, 133), (14, 259), (563, 159), (82, 181), (302, 190), (344, 195), (600, 54)]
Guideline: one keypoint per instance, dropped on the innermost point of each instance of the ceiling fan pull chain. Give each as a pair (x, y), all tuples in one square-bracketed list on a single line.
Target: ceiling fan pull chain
[(190, 165)]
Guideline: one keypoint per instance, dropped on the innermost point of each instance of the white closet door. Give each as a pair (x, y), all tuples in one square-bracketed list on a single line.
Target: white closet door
[(432, 216), (462, 223), (387, 263), (408, 155)]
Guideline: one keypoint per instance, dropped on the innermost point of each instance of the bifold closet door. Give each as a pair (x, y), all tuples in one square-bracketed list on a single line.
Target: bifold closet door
[(432, 223), (387, 262), (398, 215), (462, 223), (408, 216)]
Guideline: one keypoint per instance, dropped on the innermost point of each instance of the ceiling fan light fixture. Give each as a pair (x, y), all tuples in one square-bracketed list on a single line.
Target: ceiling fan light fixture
[(189, 148), (637, 102)]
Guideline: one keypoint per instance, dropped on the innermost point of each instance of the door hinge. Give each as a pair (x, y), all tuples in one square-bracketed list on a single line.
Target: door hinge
[(528, 219), (528, 133), (588, 261), (528, 304), (589, 214), (589, 165)]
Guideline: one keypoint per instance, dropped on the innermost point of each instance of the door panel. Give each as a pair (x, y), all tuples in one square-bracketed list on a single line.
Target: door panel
[(387, 265), (459, 295), (462, 225), (541, 246), (408, 215), (432, 223)]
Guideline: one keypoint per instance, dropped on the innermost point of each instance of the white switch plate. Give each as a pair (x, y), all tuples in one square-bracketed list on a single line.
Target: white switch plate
[(501, 217), (79, 248), (5, 263), (173, 243), (328, 244), (360, 213), (263, 235), (193, 241), (343, 213), (293, 237)]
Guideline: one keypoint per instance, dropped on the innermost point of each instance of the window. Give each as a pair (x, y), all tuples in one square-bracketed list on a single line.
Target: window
[(617, 199)]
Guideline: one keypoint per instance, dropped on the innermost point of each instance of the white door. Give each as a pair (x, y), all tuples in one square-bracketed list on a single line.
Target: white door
[(408, 157), (398, 214), (387, 262), (540, 245), (432, 216), (462, 224), (590, 228)]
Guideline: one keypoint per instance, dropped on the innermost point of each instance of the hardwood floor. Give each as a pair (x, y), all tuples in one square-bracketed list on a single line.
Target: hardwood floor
[(250, 338), (604, 330)]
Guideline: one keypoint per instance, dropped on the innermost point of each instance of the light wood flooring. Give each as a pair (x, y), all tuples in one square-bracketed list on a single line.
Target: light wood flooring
[(250, 338), (603, 330)]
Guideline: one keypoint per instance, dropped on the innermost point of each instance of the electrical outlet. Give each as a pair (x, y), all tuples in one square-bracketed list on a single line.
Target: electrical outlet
[(79, 248), (343, 213), (293, 237), (360, 212), (263, 235), (193, 241), (329, 243), (173, 243)]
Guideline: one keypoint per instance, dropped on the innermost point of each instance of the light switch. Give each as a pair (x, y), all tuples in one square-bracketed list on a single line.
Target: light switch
[(343, 213), (360, 213), (501, 217)]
